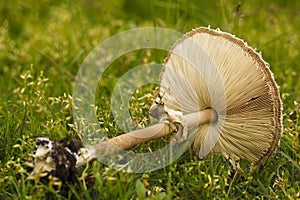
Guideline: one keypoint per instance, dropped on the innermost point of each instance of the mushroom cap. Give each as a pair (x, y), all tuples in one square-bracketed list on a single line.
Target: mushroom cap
[(213, 69)]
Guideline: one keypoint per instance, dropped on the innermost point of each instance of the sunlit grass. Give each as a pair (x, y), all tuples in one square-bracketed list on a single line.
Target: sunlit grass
[(42, 45)]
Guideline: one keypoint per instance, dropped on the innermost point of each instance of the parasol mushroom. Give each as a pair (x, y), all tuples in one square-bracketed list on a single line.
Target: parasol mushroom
[(214, 90), (249, 121)]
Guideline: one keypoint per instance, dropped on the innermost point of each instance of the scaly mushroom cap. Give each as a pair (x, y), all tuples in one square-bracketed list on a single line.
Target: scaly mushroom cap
[(213, 69)]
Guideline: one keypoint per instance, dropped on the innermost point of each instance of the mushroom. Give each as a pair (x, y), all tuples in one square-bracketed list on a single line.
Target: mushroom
[(222, 73), (215, 91)]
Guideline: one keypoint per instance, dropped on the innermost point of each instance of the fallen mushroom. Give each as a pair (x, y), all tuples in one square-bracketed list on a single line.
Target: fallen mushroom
[(215, 90)]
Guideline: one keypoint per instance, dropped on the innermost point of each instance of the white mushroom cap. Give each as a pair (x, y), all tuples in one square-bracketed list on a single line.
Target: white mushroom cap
[(213, 69)]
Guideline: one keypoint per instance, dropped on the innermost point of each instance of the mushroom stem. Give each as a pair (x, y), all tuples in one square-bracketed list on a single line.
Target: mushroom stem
[(206, 116), (139, 136)]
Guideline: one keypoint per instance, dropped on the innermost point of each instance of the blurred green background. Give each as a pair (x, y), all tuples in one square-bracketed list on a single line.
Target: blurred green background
[(55, 36), (42, 45)]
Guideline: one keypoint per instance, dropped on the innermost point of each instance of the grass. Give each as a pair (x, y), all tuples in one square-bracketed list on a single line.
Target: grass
[(42, 45)]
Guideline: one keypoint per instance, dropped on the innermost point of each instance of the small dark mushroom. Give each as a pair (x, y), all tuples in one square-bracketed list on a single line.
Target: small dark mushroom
[(56, 159)]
